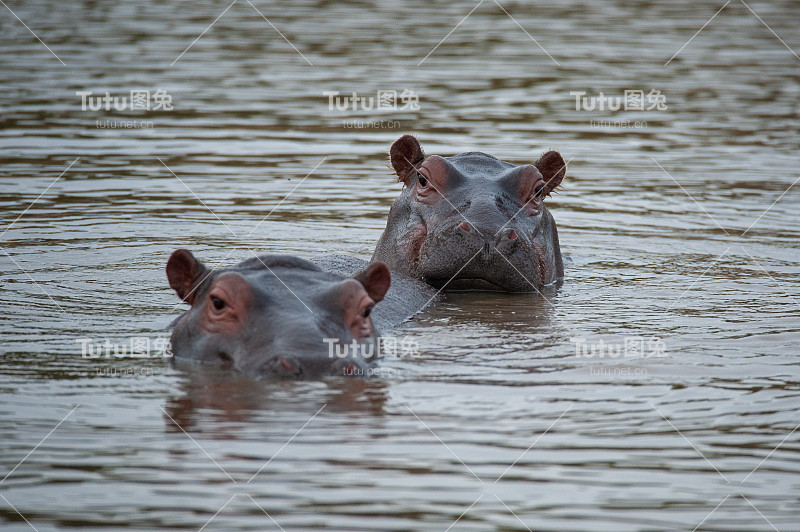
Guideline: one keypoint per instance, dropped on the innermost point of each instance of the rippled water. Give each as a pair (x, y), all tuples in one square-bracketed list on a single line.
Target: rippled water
[(685, 230)]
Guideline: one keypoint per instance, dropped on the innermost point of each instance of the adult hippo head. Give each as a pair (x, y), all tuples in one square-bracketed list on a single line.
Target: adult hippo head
[(472, 221), (275, 315)]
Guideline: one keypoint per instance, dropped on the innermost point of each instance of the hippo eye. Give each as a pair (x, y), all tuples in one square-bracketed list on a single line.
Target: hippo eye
[(539, 189), (218, 303), (423, 181), (367, 311)]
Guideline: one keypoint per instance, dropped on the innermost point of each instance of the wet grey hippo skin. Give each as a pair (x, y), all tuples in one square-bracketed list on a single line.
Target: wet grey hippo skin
[(472, 221), (406, 296), (269, 316)]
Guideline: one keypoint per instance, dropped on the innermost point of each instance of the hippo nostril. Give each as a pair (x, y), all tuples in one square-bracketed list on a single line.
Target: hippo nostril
[(286, 364), (225, 359), (465, 226), (505, 237)]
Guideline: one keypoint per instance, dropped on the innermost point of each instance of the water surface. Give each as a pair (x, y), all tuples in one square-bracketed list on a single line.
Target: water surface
[(685, 230)]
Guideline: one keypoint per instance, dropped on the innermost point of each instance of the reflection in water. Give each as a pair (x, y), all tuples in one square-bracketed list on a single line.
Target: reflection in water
[(685, 230), (227, 397)]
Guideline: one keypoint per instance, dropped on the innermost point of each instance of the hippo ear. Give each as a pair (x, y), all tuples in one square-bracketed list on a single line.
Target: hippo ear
[(405, 154), (183, 271), (375, 279), (553, 169)]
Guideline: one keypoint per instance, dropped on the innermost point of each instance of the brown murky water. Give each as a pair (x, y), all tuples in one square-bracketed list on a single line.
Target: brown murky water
[(683, 230)]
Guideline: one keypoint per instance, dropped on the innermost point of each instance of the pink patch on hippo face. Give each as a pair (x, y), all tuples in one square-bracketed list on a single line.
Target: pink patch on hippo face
[(225, 307), (431, 180), (410, 245), (356, 308)]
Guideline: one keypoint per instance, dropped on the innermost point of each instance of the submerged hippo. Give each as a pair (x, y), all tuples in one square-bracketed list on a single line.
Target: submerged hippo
[(276, 315), (283, 316), (472, 221)]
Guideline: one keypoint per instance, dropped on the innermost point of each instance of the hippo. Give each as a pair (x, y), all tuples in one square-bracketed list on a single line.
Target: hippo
[(472, 221), (276, 315), (283, 316)]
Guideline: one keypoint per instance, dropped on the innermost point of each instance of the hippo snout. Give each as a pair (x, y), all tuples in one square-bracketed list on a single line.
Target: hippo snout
[(502, 239), (282, 366), (493, 255), (303, 367), (475, 243)]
